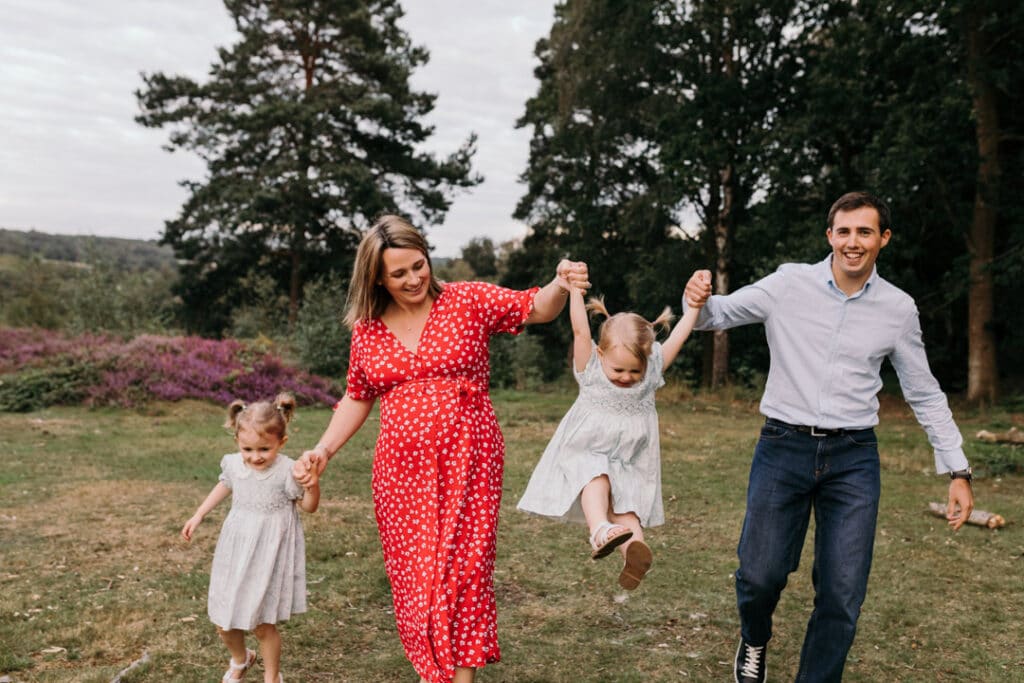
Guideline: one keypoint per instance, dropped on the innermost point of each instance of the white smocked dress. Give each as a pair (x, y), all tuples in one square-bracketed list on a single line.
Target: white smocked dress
[(608, 430), (259, 566)]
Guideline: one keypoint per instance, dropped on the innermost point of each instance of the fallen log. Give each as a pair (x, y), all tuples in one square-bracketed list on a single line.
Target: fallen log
[(141, 661), (1011, 435), (977, 518)]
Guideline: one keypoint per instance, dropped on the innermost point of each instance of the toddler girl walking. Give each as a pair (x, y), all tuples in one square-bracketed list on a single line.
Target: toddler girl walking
[(603, 464), (258, 576)]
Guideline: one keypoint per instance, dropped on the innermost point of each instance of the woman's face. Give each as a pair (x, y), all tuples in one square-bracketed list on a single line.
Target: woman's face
[(405, 273)]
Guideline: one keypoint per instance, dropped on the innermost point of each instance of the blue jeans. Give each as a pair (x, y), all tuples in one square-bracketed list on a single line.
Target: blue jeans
[(793, 472)]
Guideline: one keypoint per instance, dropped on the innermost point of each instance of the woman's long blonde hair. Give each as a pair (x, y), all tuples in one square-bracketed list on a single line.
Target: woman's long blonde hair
[(630, 331), (367, 298)]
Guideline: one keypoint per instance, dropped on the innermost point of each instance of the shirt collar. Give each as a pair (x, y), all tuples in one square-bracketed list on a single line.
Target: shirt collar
[(825, 274)]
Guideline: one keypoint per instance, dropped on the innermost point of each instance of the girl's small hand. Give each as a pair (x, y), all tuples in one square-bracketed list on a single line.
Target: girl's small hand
[(572, 274), (309, 467), (190, 527)]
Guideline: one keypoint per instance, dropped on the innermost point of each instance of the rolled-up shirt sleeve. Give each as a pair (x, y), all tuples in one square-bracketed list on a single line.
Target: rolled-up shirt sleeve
[(924, 395), (747, 305)]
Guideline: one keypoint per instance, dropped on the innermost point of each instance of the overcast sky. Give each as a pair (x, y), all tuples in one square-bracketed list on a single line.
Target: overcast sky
[(73, 160)]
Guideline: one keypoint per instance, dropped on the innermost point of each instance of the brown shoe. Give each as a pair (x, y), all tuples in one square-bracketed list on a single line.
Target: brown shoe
[(638, 563)]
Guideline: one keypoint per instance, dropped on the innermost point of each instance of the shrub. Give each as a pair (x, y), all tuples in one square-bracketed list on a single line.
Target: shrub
[(37, 388), (321, 339), (40, 368), (262, 311), (516, 361)]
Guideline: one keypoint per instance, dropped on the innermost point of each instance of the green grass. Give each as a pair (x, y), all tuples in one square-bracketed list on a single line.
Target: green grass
[(93, 573)]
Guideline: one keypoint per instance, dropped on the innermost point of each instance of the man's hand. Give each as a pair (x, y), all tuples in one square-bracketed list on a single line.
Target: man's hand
[(698, 289), (961, 503)]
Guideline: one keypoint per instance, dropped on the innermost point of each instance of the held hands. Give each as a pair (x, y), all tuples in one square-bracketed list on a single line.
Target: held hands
[(698, 289), (572, 275), (306, 473), (310, 466)]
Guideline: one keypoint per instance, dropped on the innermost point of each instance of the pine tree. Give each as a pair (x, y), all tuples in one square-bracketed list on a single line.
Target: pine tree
[(309, 129)]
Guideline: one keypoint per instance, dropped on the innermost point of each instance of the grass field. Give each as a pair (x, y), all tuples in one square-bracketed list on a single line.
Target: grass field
[(93, 573)]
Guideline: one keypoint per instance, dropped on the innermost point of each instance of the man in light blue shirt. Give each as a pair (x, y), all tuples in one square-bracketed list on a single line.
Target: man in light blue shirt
[(829, 326)]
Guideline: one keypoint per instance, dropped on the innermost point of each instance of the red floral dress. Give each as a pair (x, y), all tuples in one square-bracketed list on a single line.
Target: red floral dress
[(437, 471)]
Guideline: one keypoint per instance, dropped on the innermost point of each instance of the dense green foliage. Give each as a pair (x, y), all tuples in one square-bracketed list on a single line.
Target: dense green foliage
[(742, 122), (309, 129), (82, 283), (666, 136)]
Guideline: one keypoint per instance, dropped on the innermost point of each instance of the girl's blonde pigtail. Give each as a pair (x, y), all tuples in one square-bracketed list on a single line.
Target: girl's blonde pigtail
[(596, 306), (234, 409), (285, 403), (664, 320)]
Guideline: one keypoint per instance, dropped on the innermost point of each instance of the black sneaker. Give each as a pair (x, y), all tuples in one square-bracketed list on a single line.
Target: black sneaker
[(750, 663)]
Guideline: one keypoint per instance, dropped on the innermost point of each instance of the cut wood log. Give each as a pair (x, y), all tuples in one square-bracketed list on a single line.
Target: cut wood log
[(1011, 435), (977, 518), (141, 661)]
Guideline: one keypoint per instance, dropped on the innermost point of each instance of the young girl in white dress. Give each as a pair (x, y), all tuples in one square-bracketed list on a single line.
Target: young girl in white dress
[(258, 576), (603, 464)]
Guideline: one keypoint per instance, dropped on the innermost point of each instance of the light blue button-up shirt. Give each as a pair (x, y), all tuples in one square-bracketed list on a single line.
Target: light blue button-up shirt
[(827, 349)]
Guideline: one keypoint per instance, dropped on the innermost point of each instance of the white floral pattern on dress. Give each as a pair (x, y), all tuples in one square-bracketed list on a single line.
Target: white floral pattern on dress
[(437, 471)]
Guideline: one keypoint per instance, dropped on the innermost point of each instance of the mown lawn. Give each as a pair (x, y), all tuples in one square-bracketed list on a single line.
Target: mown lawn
[(93, 574)]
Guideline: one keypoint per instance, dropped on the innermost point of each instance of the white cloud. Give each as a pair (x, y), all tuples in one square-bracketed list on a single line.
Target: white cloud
[(72, 159)]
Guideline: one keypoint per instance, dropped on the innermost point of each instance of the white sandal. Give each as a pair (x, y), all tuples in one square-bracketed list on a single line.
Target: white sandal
[(250, 659), (604, 542)]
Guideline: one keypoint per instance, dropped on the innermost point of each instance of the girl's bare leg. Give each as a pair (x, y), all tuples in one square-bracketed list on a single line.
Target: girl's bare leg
[(234, 640), (270, 650), (594, 499), (631, 522)]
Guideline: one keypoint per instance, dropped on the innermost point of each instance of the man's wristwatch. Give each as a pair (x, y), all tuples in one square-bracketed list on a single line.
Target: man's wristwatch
[(962, 474)]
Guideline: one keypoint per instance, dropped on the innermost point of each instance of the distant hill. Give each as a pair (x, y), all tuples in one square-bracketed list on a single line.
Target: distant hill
[(126, 254)]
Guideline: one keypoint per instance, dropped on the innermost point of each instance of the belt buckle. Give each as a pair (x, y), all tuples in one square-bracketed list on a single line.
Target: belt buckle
[(815, 432)]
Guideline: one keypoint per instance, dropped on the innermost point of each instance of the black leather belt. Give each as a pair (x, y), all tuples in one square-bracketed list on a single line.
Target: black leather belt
[(813, 431)]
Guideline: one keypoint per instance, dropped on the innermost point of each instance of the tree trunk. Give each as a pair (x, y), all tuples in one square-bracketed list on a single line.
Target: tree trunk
[(723, 258), (294, 289), (982, 365)]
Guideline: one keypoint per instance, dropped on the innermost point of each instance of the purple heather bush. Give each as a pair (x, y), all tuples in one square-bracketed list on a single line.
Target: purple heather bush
[(150, 367)]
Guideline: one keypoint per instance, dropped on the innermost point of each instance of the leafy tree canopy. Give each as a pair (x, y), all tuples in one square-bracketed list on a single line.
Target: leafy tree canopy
[(309, 129)]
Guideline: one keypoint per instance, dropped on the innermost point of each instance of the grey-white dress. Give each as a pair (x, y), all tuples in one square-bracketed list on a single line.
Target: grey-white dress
[(608, 430), (259, 566)]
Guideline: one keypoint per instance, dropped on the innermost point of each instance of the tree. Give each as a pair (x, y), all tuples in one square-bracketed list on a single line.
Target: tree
[(309, 130), (726, 68), (481, 256), (920, 103), (993, 35), (595, 187)]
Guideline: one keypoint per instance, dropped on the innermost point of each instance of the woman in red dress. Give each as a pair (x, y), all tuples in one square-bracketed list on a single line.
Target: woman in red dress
[(422, 348)]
